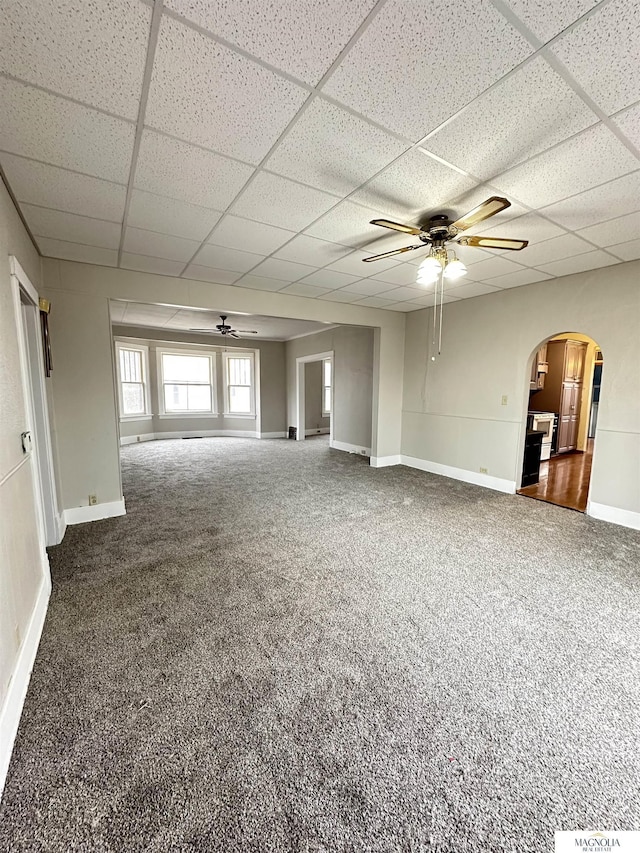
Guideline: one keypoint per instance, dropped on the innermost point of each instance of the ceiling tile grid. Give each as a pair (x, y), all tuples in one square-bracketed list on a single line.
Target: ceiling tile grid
[(242, 160)]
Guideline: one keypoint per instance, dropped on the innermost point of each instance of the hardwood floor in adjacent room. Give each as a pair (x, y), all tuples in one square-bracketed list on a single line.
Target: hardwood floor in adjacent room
[(564, 480)]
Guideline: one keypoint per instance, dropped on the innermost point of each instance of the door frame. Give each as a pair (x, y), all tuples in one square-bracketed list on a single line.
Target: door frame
[(27, 316), (300, 392)]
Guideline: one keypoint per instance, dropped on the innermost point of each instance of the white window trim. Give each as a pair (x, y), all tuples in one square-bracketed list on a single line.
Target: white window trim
[(144, 351), (238, 353), (325, 413), (211, 355)]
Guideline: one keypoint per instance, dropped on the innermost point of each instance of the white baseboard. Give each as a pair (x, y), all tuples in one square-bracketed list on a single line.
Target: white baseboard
[(385, 461), (495, 483), (624, 517), (62, 527), (135, 439), (318, 431), (350, 448), (80, 514), (282, 434), (198, 433), (19, 682)]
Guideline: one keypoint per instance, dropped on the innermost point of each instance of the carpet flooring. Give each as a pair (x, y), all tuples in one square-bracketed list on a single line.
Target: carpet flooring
[(281, 649)]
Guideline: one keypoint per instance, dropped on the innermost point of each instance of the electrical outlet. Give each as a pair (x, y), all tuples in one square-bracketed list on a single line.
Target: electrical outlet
[(137, 438), (504, 399), (93, 500), (484, 470)]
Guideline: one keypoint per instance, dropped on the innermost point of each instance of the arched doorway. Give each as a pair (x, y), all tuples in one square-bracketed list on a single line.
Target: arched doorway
[(564, 394)]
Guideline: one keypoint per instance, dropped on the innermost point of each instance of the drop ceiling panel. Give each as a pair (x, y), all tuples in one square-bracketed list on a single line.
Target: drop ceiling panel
[(529, 227), (474, 288), (258, 282), (370, 287), (546, 19), (205, 93), (150, 243), (169, 216), (342, 296), (555, 249), (617, 198), (91, 51), (54, 130), (49, 186), (492, 267), (222, 258), (612, 35), (329, 279), (629, 123), (476, 196), (310, 250), (182, 171), (353, 264), (530, 111), (375, 302), (517, 279), (200, 273), (309, 290), (143, 263), (283, 270), (618, 230), (412, 50), (405, 306), (628, 251), (591, 158), (333, 150), (77, 252), (278, 201), (402, 274), (401, 294), (347, 223), (245, 234), (579, 263), (301, 38), (58, 225), (414, 184)]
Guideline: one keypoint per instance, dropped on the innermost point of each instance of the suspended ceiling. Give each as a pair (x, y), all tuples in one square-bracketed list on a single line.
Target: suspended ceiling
[(249, 144)]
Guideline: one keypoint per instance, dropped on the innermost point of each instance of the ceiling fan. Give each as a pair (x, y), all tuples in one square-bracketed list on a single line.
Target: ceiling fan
[(440, 230), (224, 329)]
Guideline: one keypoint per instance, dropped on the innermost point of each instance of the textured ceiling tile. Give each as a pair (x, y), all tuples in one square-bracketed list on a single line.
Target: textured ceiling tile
[(301, 38), (160, 266), (602, 54), (179, 170), (304, 290), (341, 296), (258, 282), (247, 235), (415, 184), (405, 307), (199, 273), (370, 287), (284, 270), (629, 124), (68, 226), (347, 223), (333, 150), (77, 252), (517, 279), (530, 111), (547, 19), (402, 294), (93, 51), (419, 61), (327, 278), (618, 230), (467, 291), (222, 258), (278, 201), (353, 264), (402, 274), (629, 251), (579, 263), (553, 250), (597, 205), (140, 242), (169, 216), (310, 250), (593, 157), (493, 266), (375, 302), (45, 127), (207, 94), (49, 186)]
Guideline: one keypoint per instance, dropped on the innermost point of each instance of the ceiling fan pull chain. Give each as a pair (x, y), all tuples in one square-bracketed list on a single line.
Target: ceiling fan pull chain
[(441, 307)]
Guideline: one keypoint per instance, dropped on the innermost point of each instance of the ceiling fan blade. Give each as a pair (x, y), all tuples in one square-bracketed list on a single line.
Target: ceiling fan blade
[(233, 335), (395, 252), (396, 226), (246, 331), (488, 208), (494, 243), (203, 330)]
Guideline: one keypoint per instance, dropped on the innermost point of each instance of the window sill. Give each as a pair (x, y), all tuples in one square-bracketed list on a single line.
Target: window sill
[(239, 417), (180, 415), (136, 417)]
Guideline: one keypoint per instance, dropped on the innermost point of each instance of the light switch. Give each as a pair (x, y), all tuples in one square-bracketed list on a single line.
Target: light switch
[(27, 445)]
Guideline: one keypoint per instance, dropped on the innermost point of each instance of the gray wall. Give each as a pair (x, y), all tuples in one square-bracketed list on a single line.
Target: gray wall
[(452, 408), (20, 557), (313, 391), (270, 381), (353, 370)]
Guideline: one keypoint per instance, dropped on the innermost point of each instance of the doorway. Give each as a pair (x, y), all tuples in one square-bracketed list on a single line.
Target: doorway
[(314, 390), (561, 424)]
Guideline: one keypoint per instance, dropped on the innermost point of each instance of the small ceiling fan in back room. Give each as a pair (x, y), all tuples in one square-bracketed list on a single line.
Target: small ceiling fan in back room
[(442, 262), (225, 330)]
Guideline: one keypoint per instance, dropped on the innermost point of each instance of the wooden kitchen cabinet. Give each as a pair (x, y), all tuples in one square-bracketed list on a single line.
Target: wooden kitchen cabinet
[(569, 416), (574, 355), (538, 369)]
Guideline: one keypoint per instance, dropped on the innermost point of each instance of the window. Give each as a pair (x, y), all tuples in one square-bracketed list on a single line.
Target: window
[(239, 384), (132, 376), (326, 386), (187, 382)]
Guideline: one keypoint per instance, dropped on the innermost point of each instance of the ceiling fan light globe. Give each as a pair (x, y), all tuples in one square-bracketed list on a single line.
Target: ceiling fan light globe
[(455, 269), (426, 278), (430, 266)]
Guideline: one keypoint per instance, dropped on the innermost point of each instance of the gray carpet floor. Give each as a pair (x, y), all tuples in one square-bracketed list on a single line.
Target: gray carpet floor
[(281, 649)]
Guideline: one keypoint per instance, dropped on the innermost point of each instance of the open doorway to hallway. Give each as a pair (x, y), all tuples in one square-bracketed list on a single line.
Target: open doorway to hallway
[(564, 394), (314, 391)]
